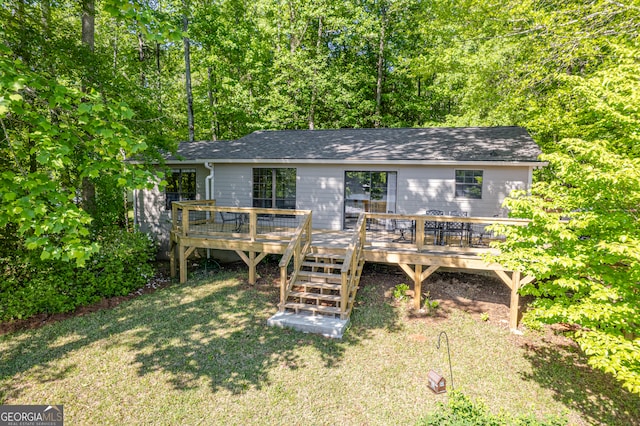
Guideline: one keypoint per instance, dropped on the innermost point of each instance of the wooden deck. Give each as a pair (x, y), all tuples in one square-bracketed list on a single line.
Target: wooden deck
[(255, 233)]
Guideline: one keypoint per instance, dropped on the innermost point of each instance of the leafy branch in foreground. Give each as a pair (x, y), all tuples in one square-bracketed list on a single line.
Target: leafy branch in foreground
[(583, 246), (52, 136)]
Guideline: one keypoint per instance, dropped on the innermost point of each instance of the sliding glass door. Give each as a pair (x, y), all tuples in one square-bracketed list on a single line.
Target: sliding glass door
[(366, 191)]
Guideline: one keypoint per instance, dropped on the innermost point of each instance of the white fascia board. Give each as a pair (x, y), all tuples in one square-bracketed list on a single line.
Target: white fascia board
[(287, 161)]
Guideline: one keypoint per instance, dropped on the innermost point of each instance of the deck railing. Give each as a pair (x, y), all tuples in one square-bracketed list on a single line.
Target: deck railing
[(205, 218), (424, 232), (352, 267), (296, 251)]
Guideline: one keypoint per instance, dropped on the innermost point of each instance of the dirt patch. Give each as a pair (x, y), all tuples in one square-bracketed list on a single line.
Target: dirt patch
[(483, 296)]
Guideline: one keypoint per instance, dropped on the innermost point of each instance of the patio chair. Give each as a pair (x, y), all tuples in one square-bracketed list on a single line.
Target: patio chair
[(266, 221), (228, 217), (403, 226), (456, 228), (433, 227)]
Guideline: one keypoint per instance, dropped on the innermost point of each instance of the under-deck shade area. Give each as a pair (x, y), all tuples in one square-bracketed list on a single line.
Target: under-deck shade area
[(418, 244)]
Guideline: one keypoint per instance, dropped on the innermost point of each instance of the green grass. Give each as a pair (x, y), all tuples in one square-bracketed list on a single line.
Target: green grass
[(201, 353)]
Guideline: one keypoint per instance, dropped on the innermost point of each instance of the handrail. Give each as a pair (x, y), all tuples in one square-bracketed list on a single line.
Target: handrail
[(349, 270), (181, 220), (298, 251), (465, 219)]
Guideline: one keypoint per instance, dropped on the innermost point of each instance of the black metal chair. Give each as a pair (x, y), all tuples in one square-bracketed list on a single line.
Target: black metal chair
[(266, 221), (456, 228), (403, 226), (433, 227), (229, 217)]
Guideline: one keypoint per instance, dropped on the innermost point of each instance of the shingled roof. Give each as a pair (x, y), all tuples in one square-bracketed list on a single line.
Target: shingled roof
[(436, 144)]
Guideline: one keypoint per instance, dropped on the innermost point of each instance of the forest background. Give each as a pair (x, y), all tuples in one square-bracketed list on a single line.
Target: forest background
[(86, 84)]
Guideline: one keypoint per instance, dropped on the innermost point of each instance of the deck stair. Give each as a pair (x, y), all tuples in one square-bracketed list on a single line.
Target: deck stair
[(314, 302), (317, 295)]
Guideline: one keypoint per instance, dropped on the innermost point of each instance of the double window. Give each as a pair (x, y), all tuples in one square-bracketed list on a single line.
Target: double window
[(181, 186), (274, 188), (469, 184)]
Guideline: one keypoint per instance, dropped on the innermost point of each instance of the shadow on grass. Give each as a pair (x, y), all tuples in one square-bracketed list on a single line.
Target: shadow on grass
[(213, 330), (597, 396)]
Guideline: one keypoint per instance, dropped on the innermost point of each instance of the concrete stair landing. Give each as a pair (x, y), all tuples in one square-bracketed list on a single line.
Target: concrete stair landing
[(307, 322)]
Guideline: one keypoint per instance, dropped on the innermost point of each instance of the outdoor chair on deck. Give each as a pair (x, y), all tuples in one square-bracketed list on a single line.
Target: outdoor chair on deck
[(485, 236), (433, 227), (229, 217), (403, 226), (266, 222), (456, 228)]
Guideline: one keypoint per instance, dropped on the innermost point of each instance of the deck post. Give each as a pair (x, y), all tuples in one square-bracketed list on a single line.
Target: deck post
[(514, 306), (252, 267), (183, 263), (419, 234), (417, 287), (172, 256)]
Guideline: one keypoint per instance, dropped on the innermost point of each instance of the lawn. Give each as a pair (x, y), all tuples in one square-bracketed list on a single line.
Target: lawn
[(201, 353)]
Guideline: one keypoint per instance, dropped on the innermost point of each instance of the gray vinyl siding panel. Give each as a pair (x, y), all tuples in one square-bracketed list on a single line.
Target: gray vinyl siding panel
[(233, 185), (320, 188)]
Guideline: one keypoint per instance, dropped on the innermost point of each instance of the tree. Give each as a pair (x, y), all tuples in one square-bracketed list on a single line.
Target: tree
[(583, 246), (40, 200)]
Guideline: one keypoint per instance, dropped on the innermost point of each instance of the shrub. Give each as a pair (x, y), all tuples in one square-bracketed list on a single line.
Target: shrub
[(32, 286), (400, 292), (461, 411)]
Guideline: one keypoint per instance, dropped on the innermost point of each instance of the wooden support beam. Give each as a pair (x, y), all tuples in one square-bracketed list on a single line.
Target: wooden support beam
[(252, 267), (188, 252), (514, 307), (172, 258), (527, 280), (426, 274), (417, 297), (418, 276), (514, 282), (504, 277), (417, 286), (407, 269), (183, 264), (251, 261)]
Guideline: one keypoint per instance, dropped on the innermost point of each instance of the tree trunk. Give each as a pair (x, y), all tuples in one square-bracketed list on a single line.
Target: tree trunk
[(187, 72), (88, 23), (88, 39), (377, 120), (214, 118), (141, 58), (159, 76), (314, 91)]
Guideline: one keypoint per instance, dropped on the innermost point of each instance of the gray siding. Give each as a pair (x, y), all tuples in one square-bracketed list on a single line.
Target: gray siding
[(320, 188), (154, 219), (233, 185)]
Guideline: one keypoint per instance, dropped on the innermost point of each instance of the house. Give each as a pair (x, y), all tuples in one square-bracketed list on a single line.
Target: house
[(339, 173)]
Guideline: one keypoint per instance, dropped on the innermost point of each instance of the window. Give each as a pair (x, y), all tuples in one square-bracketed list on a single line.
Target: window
[(469, 184), (274, 188), (181, 186)]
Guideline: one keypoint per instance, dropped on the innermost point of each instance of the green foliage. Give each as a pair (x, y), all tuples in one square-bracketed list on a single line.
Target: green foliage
[(400, 292), (31, 286), (462, 411), (583, 246)]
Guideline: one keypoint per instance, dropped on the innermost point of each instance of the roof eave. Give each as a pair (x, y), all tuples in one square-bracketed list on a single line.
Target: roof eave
[(519, 163)]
